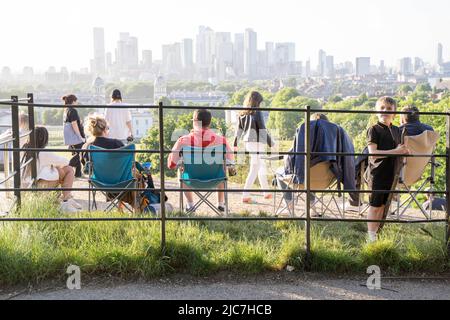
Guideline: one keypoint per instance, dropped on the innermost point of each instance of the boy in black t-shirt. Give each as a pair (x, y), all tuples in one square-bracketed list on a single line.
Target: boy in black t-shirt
[(382, 138)]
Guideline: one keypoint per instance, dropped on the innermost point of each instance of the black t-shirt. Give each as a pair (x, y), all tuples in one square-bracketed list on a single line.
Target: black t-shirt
[(101, 142), (107, 143), (71, 116), (386, 138)]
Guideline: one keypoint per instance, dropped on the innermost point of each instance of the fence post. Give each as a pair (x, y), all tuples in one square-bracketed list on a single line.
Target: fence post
[(447, 187), (308, 186), (162, 176), (16, 145), (31, 127)]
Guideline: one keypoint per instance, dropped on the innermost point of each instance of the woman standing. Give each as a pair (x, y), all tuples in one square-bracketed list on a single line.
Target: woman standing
[(252, 130), (71, 117), (119, 119)]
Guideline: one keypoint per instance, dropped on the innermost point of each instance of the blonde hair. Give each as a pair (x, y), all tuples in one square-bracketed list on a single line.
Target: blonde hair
[(96, 125), (252, 101), (386, 101)]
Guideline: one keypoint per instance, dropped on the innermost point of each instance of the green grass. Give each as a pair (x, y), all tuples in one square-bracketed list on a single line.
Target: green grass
[(36, 251)]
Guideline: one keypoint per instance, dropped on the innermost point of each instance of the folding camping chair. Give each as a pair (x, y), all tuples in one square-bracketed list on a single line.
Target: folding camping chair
[(322, 178), (413, 169), (112, 170), (205, 169)]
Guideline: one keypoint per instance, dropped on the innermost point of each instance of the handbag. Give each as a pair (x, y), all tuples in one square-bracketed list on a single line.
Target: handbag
[(70, 137)]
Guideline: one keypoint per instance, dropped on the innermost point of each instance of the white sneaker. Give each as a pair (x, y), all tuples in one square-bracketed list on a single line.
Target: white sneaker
[(74, 204), (67, 207), (372, 237)]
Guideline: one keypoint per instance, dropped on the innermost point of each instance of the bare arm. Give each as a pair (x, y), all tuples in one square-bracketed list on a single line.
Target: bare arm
[(400, 150), (130, 127), (76, 129)]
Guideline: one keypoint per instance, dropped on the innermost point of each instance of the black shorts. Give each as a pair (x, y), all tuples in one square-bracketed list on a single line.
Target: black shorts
[(379, 199)]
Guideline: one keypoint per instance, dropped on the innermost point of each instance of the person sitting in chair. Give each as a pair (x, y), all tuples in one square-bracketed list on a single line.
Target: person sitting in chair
[(411, 122), (98, 129), (201, 136), (437, 204)]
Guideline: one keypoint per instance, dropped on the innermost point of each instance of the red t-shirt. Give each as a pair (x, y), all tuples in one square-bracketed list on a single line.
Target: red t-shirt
[(198, 138)]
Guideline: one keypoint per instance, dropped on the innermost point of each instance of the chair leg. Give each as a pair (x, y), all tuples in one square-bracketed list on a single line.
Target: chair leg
[(226, 198), (89, 198), (181, 198)]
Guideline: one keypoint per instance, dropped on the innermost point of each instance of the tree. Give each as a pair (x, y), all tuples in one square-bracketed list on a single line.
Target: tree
[(423, 87), (285, 124), (335, 99), (404, 89)]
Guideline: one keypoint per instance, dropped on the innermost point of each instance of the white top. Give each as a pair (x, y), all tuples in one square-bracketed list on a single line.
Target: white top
[(117, 119), (46, 166)]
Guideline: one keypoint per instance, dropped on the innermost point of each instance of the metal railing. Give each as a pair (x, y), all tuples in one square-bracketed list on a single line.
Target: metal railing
[(163, 218), (15, 136)]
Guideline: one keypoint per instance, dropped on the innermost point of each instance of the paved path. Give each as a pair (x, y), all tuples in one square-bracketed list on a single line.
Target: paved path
[(268, 287)]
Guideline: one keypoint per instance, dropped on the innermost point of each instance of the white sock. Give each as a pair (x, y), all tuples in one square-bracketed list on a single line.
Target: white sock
[(190, 204), (221, 204), (372, 235)]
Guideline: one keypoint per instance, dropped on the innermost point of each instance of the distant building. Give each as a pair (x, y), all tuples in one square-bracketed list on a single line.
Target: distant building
[(160, 89), (440, 57), (238, 54), (329, 66), (362, 66), (322, 63), (405, 66), (127, 54), (99, 62), (250, 53), (147, 59), (141, 122)]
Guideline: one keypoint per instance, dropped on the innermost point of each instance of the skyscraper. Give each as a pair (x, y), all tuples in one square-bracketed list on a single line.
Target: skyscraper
[(171, 58), (329, 66), (362, 66), (238, 59), (250, 53), (382, 68), (205, 47), (418, 64), (147, 59), (440, 57), (127, 55), (322, 63), (308, 68), (223, 54), (270, 52), (405, 66), (187, 53), (99, 63)]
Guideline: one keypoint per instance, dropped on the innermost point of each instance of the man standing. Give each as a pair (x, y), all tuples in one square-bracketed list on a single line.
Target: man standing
[(119, 119)]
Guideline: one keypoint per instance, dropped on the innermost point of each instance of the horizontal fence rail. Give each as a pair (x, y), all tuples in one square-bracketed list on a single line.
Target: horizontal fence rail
[(14, 103)]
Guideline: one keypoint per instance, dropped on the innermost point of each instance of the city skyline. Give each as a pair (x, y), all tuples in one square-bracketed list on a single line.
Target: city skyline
[(383, 31)]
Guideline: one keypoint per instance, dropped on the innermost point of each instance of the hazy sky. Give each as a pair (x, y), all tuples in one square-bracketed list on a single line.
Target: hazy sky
[(59, 32)]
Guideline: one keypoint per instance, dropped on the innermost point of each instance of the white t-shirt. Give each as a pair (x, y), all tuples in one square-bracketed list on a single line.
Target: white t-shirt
[(117, 120), (46, 166)]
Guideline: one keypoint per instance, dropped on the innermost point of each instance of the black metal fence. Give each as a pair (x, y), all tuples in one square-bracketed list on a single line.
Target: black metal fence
[(14, 103)]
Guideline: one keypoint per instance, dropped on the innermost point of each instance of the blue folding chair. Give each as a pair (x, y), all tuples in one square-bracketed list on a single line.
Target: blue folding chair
[(203, 168), (111, 170)]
